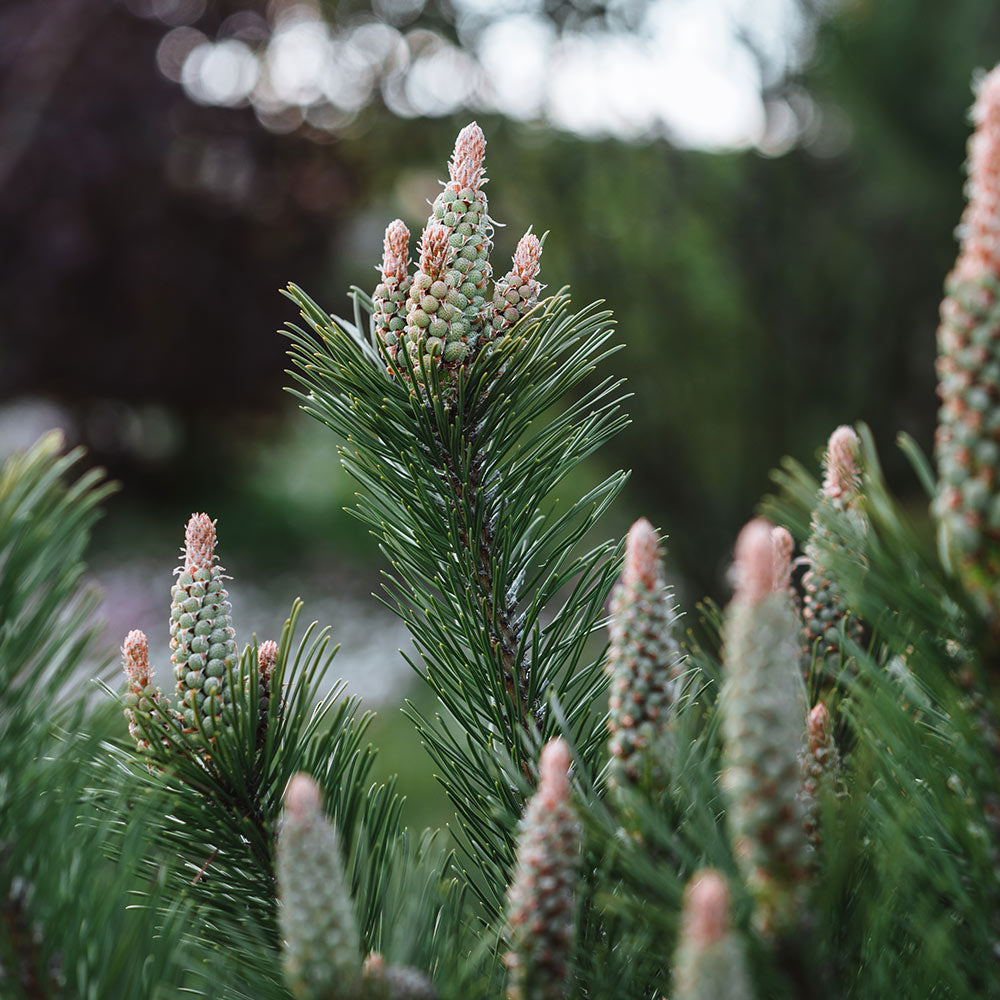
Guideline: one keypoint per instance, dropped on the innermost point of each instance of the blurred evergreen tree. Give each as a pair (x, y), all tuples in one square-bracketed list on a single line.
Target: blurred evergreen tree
[(744, 285), (135, 224)]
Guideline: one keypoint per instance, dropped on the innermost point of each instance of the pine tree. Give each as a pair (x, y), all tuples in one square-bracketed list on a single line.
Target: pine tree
[(736, 836), (457, 470)]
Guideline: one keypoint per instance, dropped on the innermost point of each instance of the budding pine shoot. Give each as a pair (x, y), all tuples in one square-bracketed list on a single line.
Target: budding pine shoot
[(516, 293), (645, 661), (784, 547), (967, 442), (321, 946), (202, 639), (392, 291), (445, 313), (462, 209), (267, 660), (763, 723), (143, 698), (825, 612), (821, 771), (435, 328), (394, 982), (447, 308), (890, 877), (541, 899), (709, 963)]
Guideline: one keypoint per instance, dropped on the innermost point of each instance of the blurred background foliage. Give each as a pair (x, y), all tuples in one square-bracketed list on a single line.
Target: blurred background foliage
[(167, 165)]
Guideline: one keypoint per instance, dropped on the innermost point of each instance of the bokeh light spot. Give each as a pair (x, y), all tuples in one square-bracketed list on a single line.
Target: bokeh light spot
[(224, 73), (173, 50)]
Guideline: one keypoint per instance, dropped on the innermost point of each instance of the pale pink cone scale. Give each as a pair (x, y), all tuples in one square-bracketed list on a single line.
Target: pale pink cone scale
[(706, 909), (754, 562), (396, 251), (199, 543), (642, 555)]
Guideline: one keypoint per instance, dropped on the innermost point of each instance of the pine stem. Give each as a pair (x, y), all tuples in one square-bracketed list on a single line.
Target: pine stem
[(204, 867), (505, 637)]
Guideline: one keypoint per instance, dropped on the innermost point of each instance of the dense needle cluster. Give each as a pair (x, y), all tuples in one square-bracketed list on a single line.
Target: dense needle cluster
[(781, 769)]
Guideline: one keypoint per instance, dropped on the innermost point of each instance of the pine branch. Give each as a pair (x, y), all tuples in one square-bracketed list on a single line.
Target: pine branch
[(44, 528), (219, 813), (922, 780), (77, 920), (500, 605)]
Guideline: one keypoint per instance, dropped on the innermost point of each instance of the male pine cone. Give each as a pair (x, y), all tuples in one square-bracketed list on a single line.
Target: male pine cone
[(967, 443), (709, 963), (315, 914), (143, 699), (645, 661), (392, 291), (447, 309), (202, 639), (541, 899), (825, 612), (444, 314), (462, 209), (821, 769), (516, 293), (436, 331), (763, 722)]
